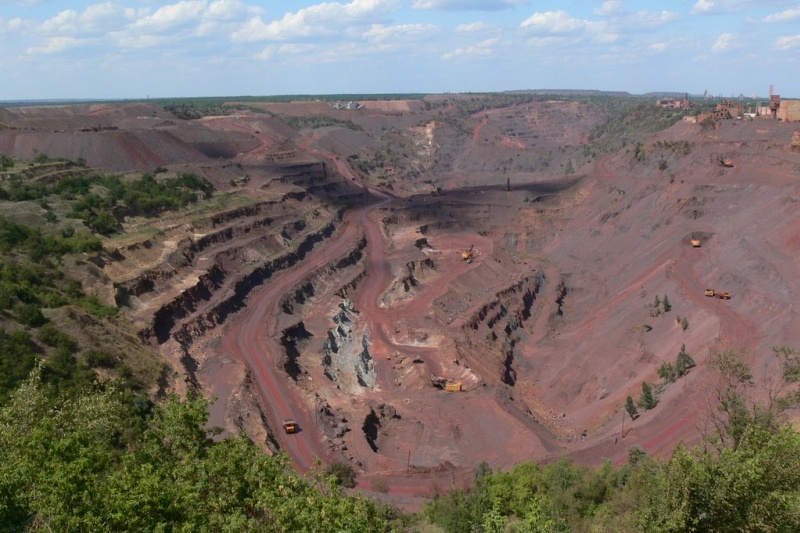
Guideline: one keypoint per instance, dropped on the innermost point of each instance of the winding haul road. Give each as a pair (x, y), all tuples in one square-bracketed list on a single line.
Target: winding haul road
[(253, 340)]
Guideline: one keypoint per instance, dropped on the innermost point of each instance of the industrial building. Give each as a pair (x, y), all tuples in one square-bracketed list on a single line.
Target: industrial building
[(789, 111)]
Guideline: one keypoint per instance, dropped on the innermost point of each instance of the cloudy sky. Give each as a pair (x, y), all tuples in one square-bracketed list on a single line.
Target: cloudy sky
[(160, 48)]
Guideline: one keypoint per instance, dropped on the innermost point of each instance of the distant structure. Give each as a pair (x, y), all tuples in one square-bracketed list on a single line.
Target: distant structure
[(774, 102), (352, 106), (728, 109), (672, 103), (789, 111), (796, 141)]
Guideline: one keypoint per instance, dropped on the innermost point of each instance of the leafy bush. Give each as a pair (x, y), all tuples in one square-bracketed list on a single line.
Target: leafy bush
[(30, 315), (343, 473), (17, 358), (51, 336), (98, 359)]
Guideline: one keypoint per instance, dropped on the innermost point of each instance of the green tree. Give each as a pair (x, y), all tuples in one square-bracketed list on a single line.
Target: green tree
[(667, 372), (104, 222), (683, 362), (630, 406), (64, 468), (665, 305), (648, 400)]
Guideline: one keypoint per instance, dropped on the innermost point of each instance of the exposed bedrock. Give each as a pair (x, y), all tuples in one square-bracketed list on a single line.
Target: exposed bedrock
[(320, 280), (346, 359), (164, 321), (246, 414), (378, 424), (292, 339), (186, 303), (414, 269), (561, 294), (515, 301), (153, 279), (411, 277), (497, 324)]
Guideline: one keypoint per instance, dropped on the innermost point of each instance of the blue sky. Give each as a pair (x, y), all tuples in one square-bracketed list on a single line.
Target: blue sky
[(161, 48)]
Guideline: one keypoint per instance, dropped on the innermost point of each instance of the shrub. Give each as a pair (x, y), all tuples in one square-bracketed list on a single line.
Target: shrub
[(98, 359), (667, 372), (30, 315), (51, 336), (344, 474)]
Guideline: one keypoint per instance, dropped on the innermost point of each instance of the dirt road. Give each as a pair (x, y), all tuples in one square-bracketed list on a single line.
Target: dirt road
[(253, 340)]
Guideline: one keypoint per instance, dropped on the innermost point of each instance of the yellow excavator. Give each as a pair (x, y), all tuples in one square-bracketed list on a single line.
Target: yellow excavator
[(468, 255), (695, 242)]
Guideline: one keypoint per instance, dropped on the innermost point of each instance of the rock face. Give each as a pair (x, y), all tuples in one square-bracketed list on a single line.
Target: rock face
[(378, 423), (347, 360)]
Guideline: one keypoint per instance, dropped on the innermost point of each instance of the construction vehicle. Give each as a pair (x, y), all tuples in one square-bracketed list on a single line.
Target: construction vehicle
[(709, 292), (290, 426), (727, 163), (468, 255), (453, 386), (723, 295), (695, 242)]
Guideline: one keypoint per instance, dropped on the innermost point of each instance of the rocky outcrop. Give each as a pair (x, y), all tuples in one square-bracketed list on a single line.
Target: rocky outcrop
[(318, 281), (291, 340), (346, 360), (497, 324), (516, 300), (405, 285), (378, 423), (164, 321)]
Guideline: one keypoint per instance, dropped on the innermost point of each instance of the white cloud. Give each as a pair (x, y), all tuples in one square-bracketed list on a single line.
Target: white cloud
[(403, 33), (788, 42), (296, 48), (322, 19), (481, 49), (650, 19), (610, 7), (784, 16), (231, 9), (472, 27), (54, 45), (658, 47), (724, 42), (172, 15), (703, 6), (129, 40), (732, 6), (554, 22), (95, 18), (267, 53), (552, 42), (468, 5), (12, 26)]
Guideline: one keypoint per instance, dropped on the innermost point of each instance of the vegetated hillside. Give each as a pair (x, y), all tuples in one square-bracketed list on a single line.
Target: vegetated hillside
[(423, 287)]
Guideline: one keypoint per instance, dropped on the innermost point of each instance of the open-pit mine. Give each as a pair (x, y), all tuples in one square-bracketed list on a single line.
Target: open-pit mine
[(424, 285)]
